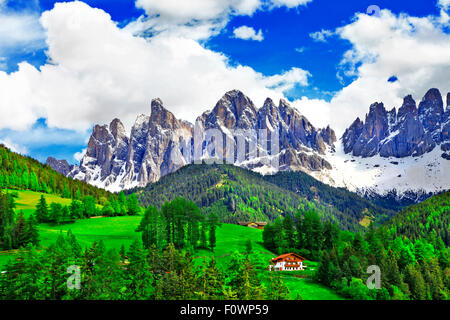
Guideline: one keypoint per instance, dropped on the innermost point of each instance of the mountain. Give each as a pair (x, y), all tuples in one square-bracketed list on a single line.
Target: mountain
[(267, 140), (238, 194), (401, 156), (394, 158), (413, 131), (61, 166)]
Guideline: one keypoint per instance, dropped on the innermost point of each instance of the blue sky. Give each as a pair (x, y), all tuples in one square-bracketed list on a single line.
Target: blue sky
[(287, 43)]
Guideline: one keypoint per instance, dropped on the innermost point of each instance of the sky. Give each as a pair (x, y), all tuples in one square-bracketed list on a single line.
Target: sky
[(66, 66)]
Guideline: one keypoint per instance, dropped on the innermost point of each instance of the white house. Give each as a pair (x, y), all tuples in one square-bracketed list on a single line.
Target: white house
[(287, 262)]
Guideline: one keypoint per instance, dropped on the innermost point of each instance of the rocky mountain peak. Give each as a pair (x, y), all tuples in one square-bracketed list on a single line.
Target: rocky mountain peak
[(448, 102), (328, 135), (431, 110), (162, 117), (234, 111), (61, 166), (160, 143), (352, 134), (413, 132), (118, 130), (408, 107)]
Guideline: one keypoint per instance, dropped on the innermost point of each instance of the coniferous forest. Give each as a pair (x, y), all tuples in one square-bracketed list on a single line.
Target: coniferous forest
[(177, 252), (25, 173), (411, 251)]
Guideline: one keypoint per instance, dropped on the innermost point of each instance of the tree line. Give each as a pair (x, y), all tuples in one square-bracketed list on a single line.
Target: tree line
[(15, 230), (410, 269), (133, 274), (85, 208), (26, 173), (179, 222)]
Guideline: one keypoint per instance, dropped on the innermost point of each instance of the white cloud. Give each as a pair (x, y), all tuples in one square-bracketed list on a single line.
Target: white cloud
[(248, 33), (288, 79), (290, 3), (415, 50), (199, 19), (99, 71), (14, 147), (79, 155), (445, 7), (180, 12), (19, 30), (444, 4), (321, 36)]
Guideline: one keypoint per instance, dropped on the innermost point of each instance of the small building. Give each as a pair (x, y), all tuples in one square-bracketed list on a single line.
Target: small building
[(254, 225), (287, 262)]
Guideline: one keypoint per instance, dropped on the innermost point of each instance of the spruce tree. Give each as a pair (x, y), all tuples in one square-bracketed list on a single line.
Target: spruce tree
[(42, 212)]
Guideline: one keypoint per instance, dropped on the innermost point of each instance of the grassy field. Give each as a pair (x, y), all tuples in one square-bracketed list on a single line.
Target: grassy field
[(119, 231), (233, 238), (114, 232), (27, 200)]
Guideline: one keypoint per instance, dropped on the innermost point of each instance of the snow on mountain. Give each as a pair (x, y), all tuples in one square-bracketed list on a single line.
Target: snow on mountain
[(401, 152)]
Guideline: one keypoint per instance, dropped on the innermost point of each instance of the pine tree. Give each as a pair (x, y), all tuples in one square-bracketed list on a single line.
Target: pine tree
[(133, 205), (276, 290), (42, 212), (213, 223)]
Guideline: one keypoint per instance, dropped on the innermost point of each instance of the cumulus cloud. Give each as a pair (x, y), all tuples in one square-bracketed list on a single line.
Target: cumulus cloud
[(19, 30), (415, 50), (14, 147), (291, 3), (444, 4), (99, 71), (321, 36), (288, 79), (199, 19), (248, 33), (79, 155)]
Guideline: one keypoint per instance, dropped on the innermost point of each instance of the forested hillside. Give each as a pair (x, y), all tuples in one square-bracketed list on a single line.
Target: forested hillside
[(236, 194), (345, 201), (428, 219), (410, 253), (25, 173)]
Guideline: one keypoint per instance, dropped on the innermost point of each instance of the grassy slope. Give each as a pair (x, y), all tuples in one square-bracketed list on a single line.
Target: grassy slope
[(232, 238), (27, 200), (121, 230)]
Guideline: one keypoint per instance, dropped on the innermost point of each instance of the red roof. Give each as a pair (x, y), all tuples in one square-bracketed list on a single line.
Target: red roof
[(284, 257)]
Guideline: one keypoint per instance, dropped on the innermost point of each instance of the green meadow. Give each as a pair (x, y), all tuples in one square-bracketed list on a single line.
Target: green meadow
[(118, 231), (27, 200)]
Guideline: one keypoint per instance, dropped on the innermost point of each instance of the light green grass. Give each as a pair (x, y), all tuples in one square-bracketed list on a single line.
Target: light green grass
[(114, 232), (232, 238), (27, 201), (118, 231)]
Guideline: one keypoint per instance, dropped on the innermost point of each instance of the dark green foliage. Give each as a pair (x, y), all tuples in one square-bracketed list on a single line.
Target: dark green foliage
[(15, 230), (413, 258), (25, 173), (430, 218), (141, 274), (179, 222), (236, 195), (343, 200)]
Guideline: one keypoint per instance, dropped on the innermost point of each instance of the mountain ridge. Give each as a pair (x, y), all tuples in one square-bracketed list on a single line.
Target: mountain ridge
[(389, 153)]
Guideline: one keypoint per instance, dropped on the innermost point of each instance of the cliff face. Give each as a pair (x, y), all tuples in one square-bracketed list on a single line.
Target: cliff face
[(160, 143), (413, 131)]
